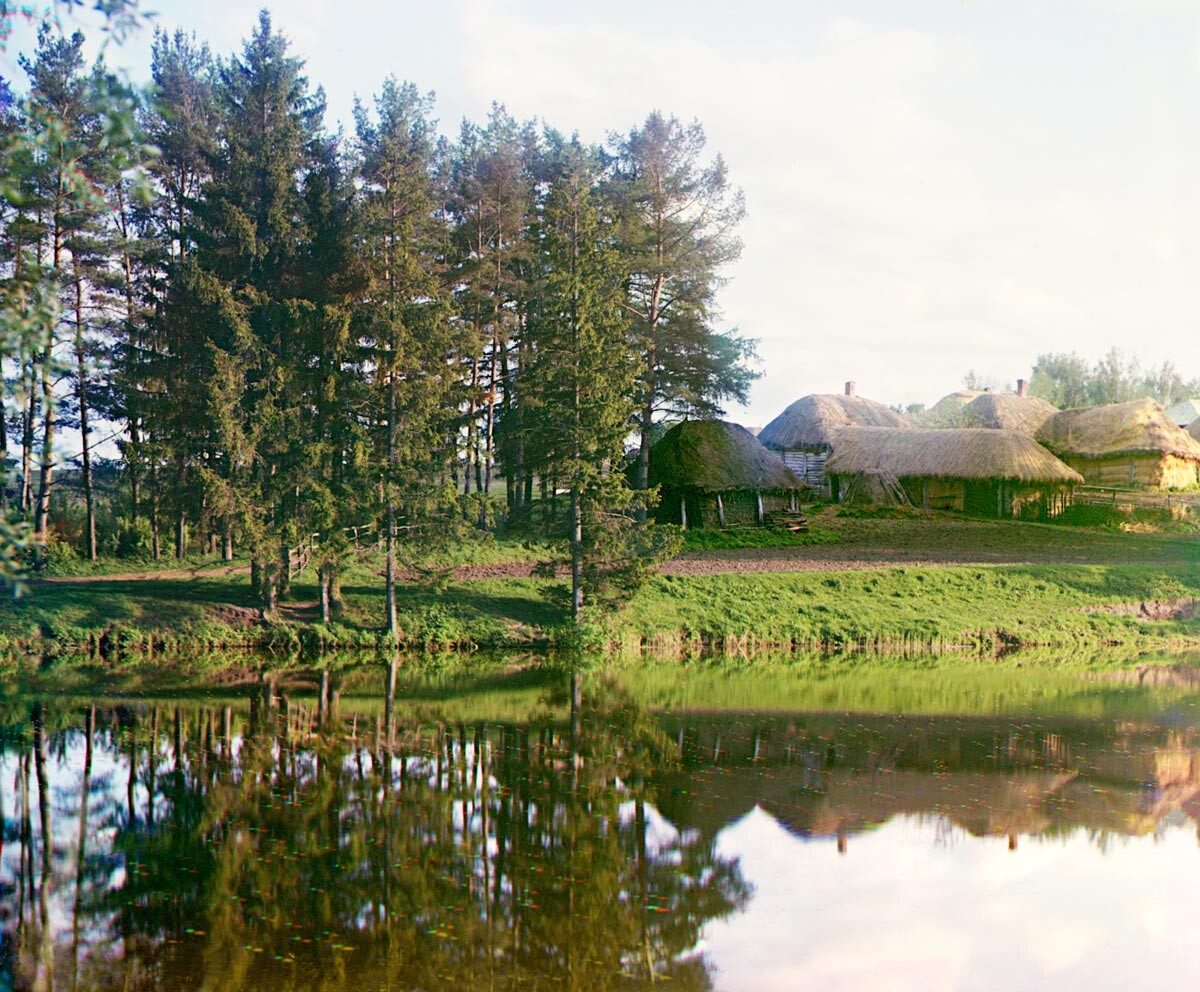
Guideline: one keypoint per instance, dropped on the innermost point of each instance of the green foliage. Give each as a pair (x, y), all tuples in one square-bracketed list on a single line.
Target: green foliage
[(1068, 380)]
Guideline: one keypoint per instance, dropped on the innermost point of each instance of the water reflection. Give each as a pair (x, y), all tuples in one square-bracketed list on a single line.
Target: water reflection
[(285, 845), (822, 776), (280, 842)]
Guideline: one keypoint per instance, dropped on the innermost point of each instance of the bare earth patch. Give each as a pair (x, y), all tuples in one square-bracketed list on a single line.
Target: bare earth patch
[(1151, 609)]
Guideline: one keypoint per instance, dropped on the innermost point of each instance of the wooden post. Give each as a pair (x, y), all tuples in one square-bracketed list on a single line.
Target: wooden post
[(720, 510)]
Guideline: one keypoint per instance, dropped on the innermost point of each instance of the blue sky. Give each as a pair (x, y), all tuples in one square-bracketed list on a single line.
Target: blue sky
[(932, 186)]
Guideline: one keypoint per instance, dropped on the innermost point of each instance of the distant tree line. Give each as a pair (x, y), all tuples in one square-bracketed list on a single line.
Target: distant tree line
[(1068, 380), (287, 330)]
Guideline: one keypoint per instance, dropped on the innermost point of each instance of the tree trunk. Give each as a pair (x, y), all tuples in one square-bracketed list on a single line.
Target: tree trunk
[(576, 555), (42, 517), (285, 569), (393, 628), (3, 454), (81, 395), (28, 423), (472, 429), (323, 580), (269, 596), (335, 593)]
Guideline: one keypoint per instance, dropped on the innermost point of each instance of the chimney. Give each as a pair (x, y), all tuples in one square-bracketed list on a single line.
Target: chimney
[(1022, 388), (850, 388)]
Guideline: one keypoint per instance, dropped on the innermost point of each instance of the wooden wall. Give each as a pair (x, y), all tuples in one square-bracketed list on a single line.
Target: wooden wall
[(810, 466), (1137, 471)]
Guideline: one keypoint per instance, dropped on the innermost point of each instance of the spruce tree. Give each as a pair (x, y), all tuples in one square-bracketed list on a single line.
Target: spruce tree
[(403, 321), (582, 379)]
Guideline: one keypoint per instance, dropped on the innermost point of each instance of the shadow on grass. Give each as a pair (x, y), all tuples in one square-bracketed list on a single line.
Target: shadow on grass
[(485, 600), (95, 605)]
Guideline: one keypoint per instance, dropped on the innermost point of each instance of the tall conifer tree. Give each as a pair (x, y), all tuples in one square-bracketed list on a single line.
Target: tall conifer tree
[(678, 217)]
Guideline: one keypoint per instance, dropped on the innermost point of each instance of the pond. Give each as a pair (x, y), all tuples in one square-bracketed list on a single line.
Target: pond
[(687, 829)]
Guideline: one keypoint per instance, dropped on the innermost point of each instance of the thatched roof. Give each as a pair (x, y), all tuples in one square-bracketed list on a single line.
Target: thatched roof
[(1184, 413), (811, 420), (1008, 412), (947, 412), (1194, 428), (1140, 427), (952, 453), (716, 456)]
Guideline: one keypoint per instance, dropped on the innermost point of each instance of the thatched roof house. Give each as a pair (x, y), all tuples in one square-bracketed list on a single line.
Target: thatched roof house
[(1124, 445), (1007, 412), (1194, 429), (803, 432), (991, 472), (715, 472), (1184, 413)]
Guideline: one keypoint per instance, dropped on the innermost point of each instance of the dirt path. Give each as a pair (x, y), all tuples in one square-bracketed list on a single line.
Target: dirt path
[(862, 544), (169, 574)]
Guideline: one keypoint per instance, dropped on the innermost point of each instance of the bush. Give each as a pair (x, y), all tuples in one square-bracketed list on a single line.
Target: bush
[(132, 538)]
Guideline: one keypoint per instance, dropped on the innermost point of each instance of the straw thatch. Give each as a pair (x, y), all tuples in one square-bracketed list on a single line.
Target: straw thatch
[(947, 412), (1194, 429), (1140, 427), (973, 453), (1008, 412), (810, 422), (1184, 413), (714, 456)]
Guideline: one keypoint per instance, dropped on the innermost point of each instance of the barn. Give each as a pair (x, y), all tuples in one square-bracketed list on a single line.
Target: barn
[(712, 473), (801, 435), (1124, 446), (985, 472)]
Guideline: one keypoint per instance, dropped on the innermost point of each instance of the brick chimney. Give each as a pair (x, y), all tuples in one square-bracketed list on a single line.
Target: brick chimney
[(1022, 388), (850, 388)]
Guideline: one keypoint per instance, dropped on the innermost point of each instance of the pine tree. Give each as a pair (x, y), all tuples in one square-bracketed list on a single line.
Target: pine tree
[(492, 192), (678, 217)]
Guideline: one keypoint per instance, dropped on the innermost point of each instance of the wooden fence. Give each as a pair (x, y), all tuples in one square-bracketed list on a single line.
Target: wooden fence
[(304, 552), (1175, 504)]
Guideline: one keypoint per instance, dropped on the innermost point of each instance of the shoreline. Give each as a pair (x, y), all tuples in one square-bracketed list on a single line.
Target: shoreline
[(931, 583)]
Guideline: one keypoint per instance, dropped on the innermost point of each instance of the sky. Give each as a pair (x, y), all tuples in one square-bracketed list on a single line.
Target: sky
[(932, 187), (905, 911)]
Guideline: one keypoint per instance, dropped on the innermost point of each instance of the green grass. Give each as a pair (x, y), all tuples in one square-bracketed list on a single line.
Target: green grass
[(1034, 598), (754, 537), (910, 605)]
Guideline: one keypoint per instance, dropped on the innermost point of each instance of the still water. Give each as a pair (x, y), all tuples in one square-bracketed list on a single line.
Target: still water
[(678, 831)]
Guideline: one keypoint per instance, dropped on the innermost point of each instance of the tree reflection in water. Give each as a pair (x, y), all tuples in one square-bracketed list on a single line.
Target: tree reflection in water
[(276, 845)]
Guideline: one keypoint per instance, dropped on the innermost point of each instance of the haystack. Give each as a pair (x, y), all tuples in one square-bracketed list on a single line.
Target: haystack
[(1007, 412), (715, 472), (802, 433), (948, 411), (991, 472), (1124, 445)]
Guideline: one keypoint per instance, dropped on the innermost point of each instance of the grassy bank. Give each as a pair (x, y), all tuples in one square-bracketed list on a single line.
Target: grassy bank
[(1033, 586), (908, 608)]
